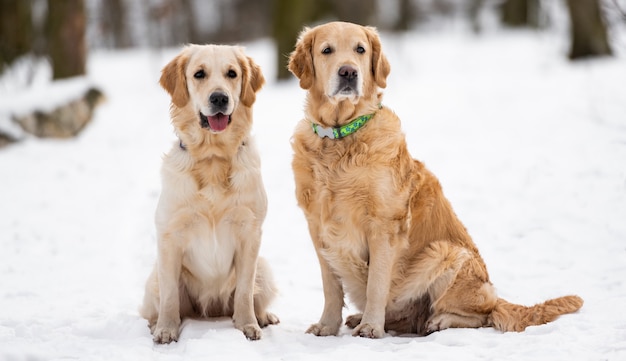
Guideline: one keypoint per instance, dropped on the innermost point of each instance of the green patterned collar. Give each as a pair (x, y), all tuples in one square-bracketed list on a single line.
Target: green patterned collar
[(343, 131)]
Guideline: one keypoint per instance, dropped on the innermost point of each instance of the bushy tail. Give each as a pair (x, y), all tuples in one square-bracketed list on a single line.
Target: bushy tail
[(510, 317)]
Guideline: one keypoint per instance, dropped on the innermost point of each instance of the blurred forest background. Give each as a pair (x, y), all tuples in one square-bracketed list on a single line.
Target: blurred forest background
[(63, 31)]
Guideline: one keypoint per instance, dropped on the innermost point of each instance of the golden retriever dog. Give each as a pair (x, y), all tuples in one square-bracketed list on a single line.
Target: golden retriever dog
[(384, 233), (213, 202)]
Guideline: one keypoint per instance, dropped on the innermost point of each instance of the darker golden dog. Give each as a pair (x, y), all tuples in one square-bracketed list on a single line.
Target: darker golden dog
[(384, 233)]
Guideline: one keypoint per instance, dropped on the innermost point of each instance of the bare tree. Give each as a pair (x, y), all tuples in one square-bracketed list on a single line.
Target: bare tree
[(256, 14), (16, 30), (517, 13), (289, 18), (65, 30), (173, 22), (408, 13), (589, 34), (114, 23), (355, 11), (473, 11)]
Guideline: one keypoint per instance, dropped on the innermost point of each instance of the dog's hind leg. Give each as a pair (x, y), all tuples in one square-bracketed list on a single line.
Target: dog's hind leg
[(409, 318), (433, 272), (468, 302), (353, 320), (442, 321)]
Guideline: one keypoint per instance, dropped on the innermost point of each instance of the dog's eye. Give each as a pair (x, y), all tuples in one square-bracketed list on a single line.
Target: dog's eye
[(327, 50), (360, 49), (231, 74), (199, 74)]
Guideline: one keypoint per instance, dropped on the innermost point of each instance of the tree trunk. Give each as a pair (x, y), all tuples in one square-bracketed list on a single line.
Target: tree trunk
[(114, 23), (589, 34), (355, 11), (408, 14), (289, 18), (519, 13), (65, 25), (16, 30)]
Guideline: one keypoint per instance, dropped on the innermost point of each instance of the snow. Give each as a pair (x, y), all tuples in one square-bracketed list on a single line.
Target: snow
[(530, 149)]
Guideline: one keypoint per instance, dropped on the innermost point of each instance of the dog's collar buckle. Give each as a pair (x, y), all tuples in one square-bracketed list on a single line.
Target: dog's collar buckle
[(325, 132)]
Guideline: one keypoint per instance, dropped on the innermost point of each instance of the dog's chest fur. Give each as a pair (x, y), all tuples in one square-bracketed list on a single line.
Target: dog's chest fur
[(193, 200), (352, 190)]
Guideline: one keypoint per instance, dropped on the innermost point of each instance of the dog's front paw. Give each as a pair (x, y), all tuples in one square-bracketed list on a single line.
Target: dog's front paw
[(353, 320), (165, 334), (319, 329), (369, 331), (252, 331)]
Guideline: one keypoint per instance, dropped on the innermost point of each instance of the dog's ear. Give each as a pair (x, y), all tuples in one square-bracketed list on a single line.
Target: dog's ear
[(301, 59), (380, 64), (252, 79), (174, 81)]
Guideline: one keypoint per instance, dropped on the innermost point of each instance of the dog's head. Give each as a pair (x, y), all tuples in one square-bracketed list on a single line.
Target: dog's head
[(214, 80), (342, 60)]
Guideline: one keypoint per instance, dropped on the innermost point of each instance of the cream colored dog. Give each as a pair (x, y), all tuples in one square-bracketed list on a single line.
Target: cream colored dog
[(383, 231), (213, 202)]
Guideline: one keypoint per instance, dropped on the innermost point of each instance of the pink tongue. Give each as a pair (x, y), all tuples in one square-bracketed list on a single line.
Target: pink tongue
[(218, 122)]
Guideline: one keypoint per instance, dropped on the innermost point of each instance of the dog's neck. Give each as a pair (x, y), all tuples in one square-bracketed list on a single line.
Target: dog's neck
[(182, 145), (331, 114)]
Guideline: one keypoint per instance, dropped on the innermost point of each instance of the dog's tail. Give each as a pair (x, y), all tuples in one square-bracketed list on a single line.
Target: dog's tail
[(507, 316)]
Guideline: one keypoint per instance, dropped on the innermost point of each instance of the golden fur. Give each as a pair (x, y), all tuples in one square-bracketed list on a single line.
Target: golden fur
[(383, 231), (213, 202)]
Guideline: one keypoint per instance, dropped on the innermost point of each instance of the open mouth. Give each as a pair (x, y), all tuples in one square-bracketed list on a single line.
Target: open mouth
[(217, 122)]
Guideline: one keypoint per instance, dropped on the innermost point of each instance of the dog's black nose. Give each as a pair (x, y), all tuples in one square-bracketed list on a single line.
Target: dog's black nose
[(218, 99), (348, 72)]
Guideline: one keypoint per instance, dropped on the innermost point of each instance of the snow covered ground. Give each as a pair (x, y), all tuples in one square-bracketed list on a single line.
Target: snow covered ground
[(530, 149)]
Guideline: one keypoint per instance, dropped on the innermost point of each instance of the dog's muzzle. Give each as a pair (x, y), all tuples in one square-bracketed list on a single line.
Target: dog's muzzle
[(348, 78), (218, 121)]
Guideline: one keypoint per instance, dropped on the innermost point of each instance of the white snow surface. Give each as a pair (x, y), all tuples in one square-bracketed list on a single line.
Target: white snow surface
[(529, 147)]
